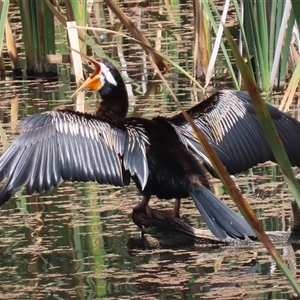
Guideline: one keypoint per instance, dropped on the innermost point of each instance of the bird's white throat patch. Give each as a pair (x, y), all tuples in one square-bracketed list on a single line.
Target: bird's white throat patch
[(107, 74)]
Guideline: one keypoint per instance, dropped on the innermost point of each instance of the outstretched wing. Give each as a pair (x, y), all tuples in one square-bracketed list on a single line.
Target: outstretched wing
[(229, 122), (66, 145)]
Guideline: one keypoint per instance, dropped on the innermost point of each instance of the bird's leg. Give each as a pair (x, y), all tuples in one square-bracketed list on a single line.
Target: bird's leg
[(176, 208), (141, 207), (174, 213)]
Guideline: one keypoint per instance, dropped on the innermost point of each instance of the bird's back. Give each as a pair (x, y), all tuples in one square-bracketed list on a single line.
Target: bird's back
[(171, 165)]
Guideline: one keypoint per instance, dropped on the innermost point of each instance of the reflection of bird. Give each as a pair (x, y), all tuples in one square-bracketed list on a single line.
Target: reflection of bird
[(110, 148)]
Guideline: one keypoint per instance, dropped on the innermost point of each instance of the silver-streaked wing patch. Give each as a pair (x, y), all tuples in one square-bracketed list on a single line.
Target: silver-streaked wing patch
[(229, 122), (65, 145)]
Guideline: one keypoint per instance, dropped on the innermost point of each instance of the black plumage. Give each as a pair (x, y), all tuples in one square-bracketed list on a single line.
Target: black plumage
[(156, 154)]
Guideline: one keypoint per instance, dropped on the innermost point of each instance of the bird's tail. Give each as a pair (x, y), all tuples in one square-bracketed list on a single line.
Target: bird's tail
[(220, 219)]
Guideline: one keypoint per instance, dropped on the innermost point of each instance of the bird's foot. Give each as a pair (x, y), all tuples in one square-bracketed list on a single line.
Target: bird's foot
[(137, 211), (170, 214), (144, 216)]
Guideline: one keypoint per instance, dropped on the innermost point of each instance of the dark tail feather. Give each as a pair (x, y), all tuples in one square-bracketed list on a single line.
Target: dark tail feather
[(222, 221)]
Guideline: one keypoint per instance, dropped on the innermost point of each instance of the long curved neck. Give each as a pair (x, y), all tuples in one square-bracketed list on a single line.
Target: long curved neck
[(113, 109), (114, 104)]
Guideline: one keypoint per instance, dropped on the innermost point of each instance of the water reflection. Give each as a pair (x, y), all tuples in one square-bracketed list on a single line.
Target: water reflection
[(72, 243)]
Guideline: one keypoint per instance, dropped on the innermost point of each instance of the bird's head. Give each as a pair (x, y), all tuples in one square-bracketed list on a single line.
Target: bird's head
[(106, 80)]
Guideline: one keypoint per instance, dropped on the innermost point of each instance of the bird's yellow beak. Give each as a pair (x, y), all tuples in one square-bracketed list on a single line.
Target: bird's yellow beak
[(93, 82)]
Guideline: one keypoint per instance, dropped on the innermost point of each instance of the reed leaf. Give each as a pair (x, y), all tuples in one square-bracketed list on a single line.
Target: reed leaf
[(281, 48), (4, 5), (27, 35), (202, 44), (216, 47), (79, 11), (149, 50), (291, 89), (48, 20), (38, 36), (279, 153), (135, 32), (239, 8), (286, 51), (95, 245), (12, 50), (207, 6), (296, 9), (265, 33)]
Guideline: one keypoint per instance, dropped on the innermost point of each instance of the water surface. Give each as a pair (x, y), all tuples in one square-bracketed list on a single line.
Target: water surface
[(72, 243)]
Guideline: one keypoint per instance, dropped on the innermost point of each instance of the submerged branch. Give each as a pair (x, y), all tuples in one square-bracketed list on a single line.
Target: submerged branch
[(162, 232)]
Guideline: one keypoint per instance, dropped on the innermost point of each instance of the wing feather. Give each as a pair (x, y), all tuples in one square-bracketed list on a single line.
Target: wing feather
[(65, 145), (229, 122)]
